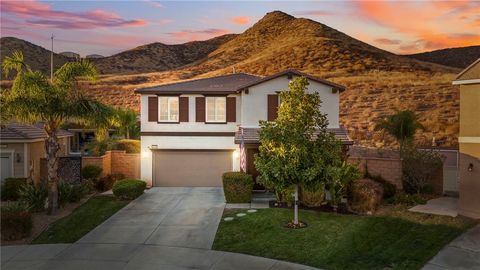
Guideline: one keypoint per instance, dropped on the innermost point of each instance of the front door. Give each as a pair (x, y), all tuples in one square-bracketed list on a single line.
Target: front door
[(251, 167), (6, 160)]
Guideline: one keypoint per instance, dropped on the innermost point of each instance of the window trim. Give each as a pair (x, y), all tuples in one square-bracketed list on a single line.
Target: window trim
[(168, 110), (206, 110)]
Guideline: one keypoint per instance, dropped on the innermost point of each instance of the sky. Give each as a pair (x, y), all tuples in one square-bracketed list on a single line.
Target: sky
[(109, 27)]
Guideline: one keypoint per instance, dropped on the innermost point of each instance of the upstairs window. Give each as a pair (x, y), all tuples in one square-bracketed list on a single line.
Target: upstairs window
[(216, 109), (168, 109)]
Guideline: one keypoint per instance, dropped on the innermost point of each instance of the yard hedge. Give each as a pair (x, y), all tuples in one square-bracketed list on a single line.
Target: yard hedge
[(128, 189), (91, 172), (17, 222), (11, 187), (238, 187)]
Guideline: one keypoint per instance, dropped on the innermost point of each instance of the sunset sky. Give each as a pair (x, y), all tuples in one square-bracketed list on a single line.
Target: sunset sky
[(108, 27)]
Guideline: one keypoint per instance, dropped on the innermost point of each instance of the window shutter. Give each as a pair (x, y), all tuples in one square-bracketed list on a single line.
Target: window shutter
[(231, 109), (272, 107), (200, 109), (183, 109), (152, 109)]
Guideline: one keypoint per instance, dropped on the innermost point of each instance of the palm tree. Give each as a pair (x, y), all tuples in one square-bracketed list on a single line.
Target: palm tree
[(34, 98), (403, 125), (127, 123)]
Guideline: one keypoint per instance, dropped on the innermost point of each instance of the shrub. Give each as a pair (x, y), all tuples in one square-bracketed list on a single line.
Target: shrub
[(312, 197), (77, 193), (418, 168), (34, 196), (285, 195), (11, 188), (238, 187), (88, 186), (130, 146), (17, 222), (64, 192), (128, 189), (406, 199), (91, 172), (366, 196), (99, 148), (106, 183), (389, 189)]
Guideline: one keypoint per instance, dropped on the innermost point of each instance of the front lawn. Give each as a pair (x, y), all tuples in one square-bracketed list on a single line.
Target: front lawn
[(397, 239), (82, 220)]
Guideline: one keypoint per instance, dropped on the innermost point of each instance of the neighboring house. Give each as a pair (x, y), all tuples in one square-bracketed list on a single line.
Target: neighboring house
[(71, 55), (21, 148), (94, 56), (469, 140), (191, 131)]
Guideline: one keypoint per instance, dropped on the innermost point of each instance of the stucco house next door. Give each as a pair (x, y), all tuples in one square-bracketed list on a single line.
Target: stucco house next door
[(190, 168)]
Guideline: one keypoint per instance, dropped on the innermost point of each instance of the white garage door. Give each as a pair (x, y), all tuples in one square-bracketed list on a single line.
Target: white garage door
[(190, 168), (6, 163)]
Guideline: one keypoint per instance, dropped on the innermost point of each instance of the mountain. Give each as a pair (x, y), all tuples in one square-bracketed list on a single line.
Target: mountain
[(35, 56), (378, 82), (158, 56), (460, 57)]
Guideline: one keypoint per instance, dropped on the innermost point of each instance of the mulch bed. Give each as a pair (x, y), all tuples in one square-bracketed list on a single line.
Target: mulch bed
[(342, 208)]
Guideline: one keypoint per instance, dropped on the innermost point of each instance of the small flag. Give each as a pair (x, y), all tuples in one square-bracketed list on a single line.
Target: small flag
[(243, 157)]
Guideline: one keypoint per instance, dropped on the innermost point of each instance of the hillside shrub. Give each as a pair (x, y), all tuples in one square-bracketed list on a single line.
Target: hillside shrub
[(312, 197), (17, 222), (11, 187), (238, 187), (366, 196), (34, 196), (128, 189), (91, 172)]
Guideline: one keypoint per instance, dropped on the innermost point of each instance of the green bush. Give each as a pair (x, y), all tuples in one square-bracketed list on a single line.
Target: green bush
[(419, 168), (17, 222), (238, 187), (312, 197), (77, 193), (128, 189), (366, 195), (285, 195), (11, 187), (130, 146), (64, 192), (402, 198), (99, 148), (34, 196), (91, 172), (106, 183)]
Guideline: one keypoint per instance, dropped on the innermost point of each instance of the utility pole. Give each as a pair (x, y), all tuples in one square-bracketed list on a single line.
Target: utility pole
[(51, 61)]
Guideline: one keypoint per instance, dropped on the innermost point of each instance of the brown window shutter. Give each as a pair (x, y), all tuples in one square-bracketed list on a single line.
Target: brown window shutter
[(183, 109), (200, 109), (231, 109), (152, 109), (272, 107)]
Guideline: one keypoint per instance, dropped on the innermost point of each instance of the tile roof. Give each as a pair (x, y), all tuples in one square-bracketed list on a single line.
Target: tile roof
[(216, 85), (250, 135), (16, 131)]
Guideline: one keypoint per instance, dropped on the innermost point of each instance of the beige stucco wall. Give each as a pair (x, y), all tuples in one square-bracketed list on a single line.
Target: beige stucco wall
[(17, 149), (470, 110), (36, 151), (472, 73)]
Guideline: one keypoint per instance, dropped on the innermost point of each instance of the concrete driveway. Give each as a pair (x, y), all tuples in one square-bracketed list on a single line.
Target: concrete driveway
[(166, 228)]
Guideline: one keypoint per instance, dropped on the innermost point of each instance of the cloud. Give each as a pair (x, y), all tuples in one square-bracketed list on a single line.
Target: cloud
[(152, 3), (313, 13), (41, 14), (432, 25), (191, 35), (240, 20), (387, 41)]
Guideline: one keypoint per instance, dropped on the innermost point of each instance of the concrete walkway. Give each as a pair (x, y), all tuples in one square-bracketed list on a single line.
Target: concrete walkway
[(166, 228), (444, 206), (461, 253)]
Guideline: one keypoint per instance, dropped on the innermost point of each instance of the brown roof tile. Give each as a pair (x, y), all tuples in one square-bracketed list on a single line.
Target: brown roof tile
[(17, 131)]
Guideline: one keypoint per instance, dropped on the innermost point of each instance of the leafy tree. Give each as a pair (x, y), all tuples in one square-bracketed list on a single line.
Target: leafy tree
[(338, 178), (419, 166), (295, 149), (34, 98), (127, 123), (403, 125)]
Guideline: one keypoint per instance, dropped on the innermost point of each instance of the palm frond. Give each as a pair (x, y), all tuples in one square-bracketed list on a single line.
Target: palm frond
[(15, 62), (68, 74)]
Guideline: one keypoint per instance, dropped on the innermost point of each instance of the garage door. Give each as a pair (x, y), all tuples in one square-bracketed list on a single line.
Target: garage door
[(190, 168)]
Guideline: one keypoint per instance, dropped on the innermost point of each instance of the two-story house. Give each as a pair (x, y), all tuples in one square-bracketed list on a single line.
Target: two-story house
[(191, 131)]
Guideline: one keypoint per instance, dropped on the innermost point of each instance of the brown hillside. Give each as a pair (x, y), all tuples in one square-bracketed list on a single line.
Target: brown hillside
[(460, 57), (35, 56), (158, 56)]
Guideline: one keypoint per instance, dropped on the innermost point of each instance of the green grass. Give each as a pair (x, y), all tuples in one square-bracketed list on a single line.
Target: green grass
[(82, 220), (398, 239)]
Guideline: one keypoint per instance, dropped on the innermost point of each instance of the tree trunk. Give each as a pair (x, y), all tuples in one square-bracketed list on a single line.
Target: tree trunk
[(295, 207), (128, 133), (52, 147)]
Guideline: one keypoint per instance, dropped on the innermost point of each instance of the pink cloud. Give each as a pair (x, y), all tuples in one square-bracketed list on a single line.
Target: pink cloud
[(240, 20), (191, 35), (41, 14), (152, 3), (313, 13), (387, 41)]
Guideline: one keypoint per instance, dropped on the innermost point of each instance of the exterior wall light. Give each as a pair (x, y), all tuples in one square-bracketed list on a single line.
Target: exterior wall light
[(470, 167)]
